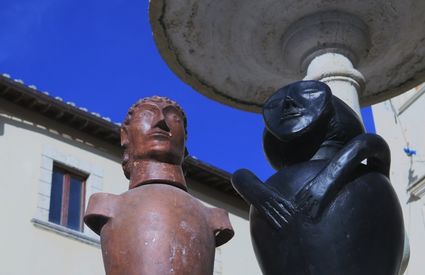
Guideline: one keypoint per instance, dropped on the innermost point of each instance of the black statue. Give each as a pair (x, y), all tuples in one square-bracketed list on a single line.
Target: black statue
[(330, 209)]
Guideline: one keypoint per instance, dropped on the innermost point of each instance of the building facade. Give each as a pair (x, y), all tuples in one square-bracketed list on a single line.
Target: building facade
[(401, 122), (54, 156)]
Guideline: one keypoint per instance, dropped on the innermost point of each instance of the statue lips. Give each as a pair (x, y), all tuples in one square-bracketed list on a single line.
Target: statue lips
[(160, 134), (289, 115)]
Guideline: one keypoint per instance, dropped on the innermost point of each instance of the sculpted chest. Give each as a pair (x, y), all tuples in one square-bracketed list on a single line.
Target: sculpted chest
[(157, 229)]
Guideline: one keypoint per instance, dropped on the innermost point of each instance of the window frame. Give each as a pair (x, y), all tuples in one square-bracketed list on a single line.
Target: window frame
[(68, 172), (73, 161)]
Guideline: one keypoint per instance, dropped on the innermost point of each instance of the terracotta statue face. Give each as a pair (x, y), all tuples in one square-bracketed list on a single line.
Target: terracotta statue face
[(293, 109), (155, 132)]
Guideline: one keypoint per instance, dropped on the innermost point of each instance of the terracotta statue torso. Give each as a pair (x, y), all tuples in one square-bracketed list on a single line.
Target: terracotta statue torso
[(158, 229)]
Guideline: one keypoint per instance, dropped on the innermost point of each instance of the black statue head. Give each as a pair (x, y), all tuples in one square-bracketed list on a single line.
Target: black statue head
[(294, 109), (301, 118)]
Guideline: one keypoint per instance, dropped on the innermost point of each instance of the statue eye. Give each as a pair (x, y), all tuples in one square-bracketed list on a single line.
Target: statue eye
[(312, 94), (273, 103), (172, 114), (174, 117), (146, 114)]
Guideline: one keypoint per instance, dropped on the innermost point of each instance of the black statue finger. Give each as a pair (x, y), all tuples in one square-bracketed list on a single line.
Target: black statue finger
[(278, 212), (271, 219), (284, 208)]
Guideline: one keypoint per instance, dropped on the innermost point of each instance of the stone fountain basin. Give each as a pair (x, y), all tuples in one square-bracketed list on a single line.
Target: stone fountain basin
[(238, 52)]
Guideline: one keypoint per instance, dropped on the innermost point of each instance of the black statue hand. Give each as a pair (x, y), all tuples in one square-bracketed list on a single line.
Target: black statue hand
[(278, 211), (308, 200), (315, 195)]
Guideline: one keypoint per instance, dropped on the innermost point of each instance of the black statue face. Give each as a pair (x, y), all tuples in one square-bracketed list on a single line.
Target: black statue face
[(295, 108), (303, 116)]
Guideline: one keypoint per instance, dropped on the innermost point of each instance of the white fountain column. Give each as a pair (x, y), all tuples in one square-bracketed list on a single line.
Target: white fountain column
[(339, 74), (346, 83)]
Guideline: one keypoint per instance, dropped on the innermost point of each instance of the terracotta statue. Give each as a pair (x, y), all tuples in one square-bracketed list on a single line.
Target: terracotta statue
[(156, 227), (330, 208)]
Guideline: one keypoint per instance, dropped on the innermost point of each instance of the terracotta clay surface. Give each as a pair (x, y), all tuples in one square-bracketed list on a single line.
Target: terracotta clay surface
[(156, 227)]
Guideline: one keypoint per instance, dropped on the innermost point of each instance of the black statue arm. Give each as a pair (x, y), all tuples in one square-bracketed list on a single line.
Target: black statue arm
[(266, 200), (314, 197)]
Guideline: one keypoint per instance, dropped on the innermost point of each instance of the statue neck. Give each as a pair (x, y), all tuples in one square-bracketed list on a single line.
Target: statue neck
[(151, 171)]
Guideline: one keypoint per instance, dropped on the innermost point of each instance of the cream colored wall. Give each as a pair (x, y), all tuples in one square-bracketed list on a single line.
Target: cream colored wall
[(400, 127), (28, 249)]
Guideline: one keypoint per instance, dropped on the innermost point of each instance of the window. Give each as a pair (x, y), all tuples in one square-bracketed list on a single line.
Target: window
[(67, 198), (54, 165)]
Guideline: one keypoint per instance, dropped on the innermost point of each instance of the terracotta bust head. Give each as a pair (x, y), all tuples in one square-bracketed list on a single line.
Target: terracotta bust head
[(153, 134)]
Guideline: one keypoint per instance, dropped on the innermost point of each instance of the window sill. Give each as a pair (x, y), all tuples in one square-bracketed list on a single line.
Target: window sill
[(66, 232)]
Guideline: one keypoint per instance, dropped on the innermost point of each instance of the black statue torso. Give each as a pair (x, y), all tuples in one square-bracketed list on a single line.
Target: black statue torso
[(352, 228), (330, 209)]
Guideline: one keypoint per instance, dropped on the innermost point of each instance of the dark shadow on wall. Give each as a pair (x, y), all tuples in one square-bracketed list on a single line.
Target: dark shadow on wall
[(1, 127)]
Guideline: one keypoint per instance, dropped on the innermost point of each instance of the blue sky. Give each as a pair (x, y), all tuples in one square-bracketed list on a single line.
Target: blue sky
[(101, 55)]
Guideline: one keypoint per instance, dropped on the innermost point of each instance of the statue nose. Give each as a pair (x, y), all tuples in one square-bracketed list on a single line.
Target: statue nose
[(162, 124), (289, 103)]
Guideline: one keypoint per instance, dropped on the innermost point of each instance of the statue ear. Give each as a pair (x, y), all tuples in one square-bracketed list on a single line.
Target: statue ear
[(126, 156), (124, 137)]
